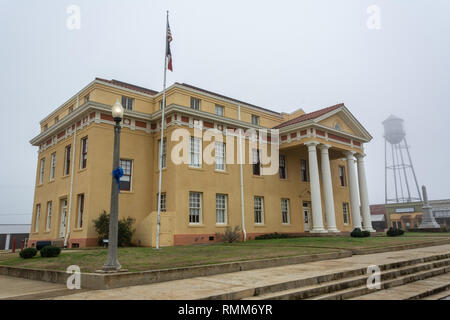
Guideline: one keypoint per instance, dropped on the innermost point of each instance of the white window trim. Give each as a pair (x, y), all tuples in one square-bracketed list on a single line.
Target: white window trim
[(218, 107), (164, 153), (78, 209), (132, 172), (223, 158), (81, 152), (200, 217), (192, 140), (288, 209), (285, 168), (225, 214), (48, 222), (37, 218), (52, 166), (346, 205), (262, 210), (42, 171)]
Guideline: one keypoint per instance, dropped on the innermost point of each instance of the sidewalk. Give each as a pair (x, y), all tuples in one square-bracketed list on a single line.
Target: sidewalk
[(204, 287)]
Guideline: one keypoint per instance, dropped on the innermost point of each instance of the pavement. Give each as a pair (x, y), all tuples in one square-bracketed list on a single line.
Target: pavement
[(203, 287)]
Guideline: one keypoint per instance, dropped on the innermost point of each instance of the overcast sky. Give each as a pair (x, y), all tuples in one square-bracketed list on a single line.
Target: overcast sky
[(282, 55)]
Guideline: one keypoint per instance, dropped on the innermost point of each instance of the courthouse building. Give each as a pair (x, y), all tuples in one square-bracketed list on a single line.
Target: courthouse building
[(319, 185)]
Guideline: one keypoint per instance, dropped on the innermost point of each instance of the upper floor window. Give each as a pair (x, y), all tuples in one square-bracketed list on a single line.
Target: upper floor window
[(219, 155), (56, 119), (83, 158), (70, 109), (86, 98), (342, 175), (163, 158), (285, 211), (259, 210), (219, 110), (125, 181), (256, 162), (255, 120), (67, 160), (196, 152), (52, 166), (41, 171), (337, 126), (195, 207), (282, 166), (160, 105), (127, 103), (45, 127), (304, 170), (195, 103)]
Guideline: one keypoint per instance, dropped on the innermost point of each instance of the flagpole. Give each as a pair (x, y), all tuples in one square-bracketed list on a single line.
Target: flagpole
[(158, 223)]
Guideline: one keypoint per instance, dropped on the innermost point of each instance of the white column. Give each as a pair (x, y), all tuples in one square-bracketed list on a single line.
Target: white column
[(354, 197), (8, 239), (327, 188), (316, 201), (363, 193)]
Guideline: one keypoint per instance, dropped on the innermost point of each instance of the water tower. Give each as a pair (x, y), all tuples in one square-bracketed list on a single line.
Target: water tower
[(399, 171)]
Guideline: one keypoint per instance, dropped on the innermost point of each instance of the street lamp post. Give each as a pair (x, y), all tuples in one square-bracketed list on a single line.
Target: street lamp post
[(112, 264)]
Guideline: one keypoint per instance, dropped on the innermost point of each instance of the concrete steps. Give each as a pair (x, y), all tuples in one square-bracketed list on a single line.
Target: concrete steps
[(352, 283)]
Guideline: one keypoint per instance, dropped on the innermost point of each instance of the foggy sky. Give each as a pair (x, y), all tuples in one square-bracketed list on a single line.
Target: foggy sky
[(282, 55)]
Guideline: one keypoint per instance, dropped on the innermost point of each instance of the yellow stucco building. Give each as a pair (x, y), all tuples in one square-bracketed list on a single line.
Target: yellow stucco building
[(313, 189)]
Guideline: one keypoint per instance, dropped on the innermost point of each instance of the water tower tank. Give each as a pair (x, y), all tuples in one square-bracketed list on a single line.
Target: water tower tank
[(393, 129)]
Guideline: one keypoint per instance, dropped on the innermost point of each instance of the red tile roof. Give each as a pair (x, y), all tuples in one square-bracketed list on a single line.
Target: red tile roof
[(309, 116), (129, 86), (225, 97)]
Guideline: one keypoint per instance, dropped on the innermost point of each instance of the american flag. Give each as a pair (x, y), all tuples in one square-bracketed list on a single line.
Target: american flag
[(169, 54)]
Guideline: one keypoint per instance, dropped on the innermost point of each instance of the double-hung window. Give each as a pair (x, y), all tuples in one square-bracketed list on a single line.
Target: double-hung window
[(219, 156), (345, 212), (163, 201), (342, 175), (127, 103), (195, 207), (83, 158), (256, 162), (282, 167), (221, 208), (41, 171), (125, 180), (285, 211), (259, 210), (37, 218), (219, 110), (255, 120), (52, 166), (80, 211), (195, 152), (304, 170), (67, 160), (195, 103), (49, 216)]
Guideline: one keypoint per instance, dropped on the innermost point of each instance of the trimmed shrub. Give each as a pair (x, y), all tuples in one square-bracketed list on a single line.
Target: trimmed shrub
[(125, 229), (50, 252), (41, 244), (274, 235), (358, 233), (28, 253), (394, 232), (230, 235)]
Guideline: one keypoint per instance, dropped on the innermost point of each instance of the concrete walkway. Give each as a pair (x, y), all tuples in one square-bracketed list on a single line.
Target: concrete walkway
[(12, 287), (203, 287)]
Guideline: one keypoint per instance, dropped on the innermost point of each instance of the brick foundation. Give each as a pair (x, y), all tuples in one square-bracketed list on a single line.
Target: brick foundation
[(82, 242)]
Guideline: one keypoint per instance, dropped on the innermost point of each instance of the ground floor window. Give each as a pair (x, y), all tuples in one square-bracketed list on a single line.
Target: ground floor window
[(125, 180), (80, 212), (345, 212), (221, 208), (163, 201), (195, 207), (259, 210), (49, 216), (285, 211)]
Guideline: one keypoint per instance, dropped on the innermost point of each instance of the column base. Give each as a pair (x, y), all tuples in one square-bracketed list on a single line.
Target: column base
[(321, 230), (334, 230), (370, 229)]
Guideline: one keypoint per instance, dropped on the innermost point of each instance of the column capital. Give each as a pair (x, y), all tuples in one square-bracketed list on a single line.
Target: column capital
[(360, 156), (324, 146), (312, 144), (349, 154)]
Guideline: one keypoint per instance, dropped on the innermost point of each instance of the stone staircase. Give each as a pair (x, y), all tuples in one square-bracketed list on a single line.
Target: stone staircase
[(352, 284)]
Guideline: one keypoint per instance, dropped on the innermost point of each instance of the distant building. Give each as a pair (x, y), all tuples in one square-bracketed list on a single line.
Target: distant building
[(9, 232), (408, 215), (378, 217)]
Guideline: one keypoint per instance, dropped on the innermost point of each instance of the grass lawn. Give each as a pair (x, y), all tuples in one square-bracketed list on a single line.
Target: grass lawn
[(139, 259)]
